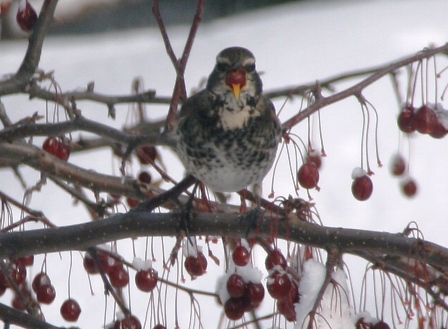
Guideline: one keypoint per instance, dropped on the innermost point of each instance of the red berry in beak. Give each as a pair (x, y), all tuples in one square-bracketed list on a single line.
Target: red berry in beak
[(236, 80)]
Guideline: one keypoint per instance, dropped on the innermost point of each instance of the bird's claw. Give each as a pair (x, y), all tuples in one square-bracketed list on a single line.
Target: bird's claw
[(252, 217)]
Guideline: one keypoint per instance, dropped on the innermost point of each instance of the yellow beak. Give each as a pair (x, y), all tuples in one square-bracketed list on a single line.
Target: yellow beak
[(236, 88)]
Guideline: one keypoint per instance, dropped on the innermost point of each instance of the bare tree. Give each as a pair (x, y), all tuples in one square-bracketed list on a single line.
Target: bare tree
[(415, 269)]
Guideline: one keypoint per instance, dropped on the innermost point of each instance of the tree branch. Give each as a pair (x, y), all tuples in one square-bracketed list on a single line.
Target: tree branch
[(357, 88), (32, 57), (142, 224)]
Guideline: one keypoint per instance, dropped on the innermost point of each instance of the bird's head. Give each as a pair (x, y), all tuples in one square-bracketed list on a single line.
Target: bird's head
[(235, 71)]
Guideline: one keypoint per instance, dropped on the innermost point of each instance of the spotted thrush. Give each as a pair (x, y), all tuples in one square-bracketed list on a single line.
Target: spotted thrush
[(228, 133)]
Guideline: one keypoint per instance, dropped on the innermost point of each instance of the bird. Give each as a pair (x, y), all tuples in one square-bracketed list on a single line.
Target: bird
[(227, 134)]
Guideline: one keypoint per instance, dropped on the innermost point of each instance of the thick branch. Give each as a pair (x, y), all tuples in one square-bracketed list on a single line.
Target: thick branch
[(141, 223)]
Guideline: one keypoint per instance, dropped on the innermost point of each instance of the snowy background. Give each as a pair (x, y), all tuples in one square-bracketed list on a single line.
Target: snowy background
[(293, 44)]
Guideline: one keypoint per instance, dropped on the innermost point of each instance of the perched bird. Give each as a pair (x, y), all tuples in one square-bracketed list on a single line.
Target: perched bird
[(228, 133)]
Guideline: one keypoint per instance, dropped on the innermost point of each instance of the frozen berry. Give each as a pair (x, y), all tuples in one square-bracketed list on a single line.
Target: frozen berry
[(405, 120), (46, 294), (308, 175), (255, 293), (132, 203), (234, 308), (425, 120), (159, 326), (119, 277), (26, 260), (57, 148), (409, 187), (39, 280), (240, 256), (274, 258), (146, 280), (146, 154), (70, 310), (362, 188), (236, 285), (144, 177), (315, 158), (398, 165), (380, 325), (278, 285), (196, 266), (26, 16)]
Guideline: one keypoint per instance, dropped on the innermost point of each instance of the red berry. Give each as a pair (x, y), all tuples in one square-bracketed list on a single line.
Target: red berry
[(362, 188), (40, 280), (255, 293), (278, 285), (286, 308), (17, 272), (308, 175), (132, 203), (26, 16), (89, 264), (26, 260), (234, 308), (315, 158), (56, 148), (146, 154), (144, 177), (398, 165), (425, 120), (46, 294), (128, 323), (409, 187), (275, 257), (146, 280), (438, 130), (241, 256), (70, 310), (196, 266), (119, 277), (406, 121), (236, 77), (236, 285), (159, 326), (380, 325)]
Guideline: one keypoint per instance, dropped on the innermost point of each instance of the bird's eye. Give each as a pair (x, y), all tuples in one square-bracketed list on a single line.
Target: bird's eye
[(250, 67), (222, 67)]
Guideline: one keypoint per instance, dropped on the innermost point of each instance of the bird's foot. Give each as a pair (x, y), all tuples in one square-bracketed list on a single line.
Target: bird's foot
[(252, 218)]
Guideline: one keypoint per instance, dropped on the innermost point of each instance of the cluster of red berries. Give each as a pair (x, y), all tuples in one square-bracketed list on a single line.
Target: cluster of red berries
[(398, 168), (280, 285), (41, 285), (245, 295), (428, 119), (308, 173), (145, 279)]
